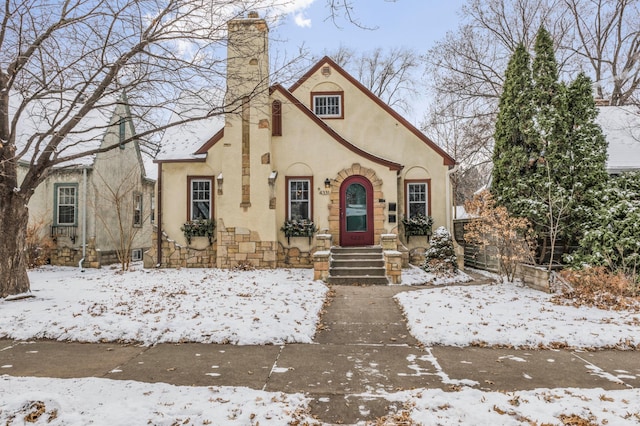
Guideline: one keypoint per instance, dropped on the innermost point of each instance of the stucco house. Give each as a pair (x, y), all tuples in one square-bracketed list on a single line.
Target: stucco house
[(89, 205), (324, 150)]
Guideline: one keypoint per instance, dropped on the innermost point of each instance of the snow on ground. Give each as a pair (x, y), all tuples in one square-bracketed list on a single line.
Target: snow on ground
[(80, 402), (167, 305), (512, 315), (536, 407), (257, 307), (416, 276)]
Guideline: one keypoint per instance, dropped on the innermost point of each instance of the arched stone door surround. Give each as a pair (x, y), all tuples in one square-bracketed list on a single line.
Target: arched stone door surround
[(378, 207)]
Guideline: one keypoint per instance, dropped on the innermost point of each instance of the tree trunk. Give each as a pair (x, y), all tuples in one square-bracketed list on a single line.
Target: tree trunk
[(14, 216)]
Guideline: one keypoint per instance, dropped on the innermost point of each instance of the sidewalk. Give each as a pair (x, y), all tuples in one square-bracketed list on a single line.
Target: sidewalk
[(362, 352)]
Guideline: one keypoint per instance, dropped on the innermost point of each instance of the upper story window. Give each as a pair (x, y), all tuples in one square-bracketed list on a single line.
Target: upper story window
[(122, 132), (328, 105)]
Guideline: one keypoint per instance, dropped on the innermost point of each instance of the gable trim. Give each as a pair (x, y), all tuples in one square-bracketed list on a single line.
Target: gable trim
[(211, 142), (294, 101), (446, 158)]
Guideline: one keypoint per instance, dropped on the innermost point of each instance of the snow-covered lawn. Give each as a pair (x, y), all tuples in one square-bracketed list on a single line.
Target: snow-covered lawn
[(259, 307), (80, 402), (512, 315), (153, 306)]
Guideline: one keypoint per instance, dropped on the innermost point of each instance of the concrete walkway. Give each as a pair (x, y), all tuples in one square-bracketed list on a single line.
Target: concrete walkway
[(362, 352)]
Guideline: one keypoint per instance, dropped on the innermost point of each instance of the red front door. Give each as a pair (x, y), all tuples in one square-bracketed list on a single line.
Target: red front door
[(356, 212)]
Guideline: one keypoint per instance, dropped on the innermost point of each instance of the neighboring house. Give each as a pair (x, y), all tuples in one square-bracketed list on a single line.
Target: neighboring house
[(105, 200), (324, 150), (621, 127)]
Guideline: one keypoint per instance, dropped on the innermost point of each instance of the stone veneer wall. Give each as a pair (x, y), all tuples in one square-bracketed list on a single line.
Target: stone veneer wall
[(177, 256), (65, 255), (293, 257), (241, 245), (378, 207)]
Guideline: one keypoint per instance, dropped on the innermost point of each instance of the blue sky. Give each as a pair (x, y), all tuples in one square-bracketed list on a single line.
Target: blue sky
[(415, 24), (402, 23)]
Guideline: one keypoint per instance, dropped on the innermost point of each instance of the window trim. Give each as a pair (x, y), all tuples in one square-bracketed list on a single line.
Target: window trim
[(137, 196), (190, 180), (340, 94), (427, 183), (56, 213), (290, 179)]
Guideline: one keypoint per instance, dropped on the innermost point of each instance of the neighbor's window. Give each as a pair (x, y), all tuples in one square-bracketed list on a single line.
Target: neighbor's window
[(136, 255), (122, 131), (200, 191), (153, 208), (299, 198), (327, 105), (137, 209), (417, 196), (66, 201)]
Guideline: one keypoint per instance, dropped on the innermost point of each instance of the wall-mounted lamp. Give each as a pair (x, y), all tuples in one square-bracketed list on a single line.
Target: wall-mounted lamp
[(220, 180), (327, 183)]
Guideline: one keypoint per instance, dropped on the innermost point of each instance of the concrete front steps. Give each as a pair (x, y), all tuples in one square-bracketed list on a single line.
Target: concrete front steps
[(357, 266)]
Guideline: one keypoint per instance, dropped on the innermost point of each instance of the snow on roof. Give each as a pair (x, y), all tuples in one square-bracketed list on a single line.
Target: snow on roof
[(46, 116), (621, 127), (180, 142)]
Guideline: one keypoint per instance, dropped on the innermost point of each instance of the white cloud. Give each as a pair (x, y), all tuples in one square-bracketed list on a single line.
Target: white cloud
[(301, 21)]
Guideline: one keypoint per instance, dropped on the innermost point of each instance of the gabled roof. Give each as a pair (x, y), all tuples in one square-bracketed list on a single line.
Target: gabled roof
[(184, 142), (323, 126), (621, 127), (45, 116), (48, 114), (446, 158)]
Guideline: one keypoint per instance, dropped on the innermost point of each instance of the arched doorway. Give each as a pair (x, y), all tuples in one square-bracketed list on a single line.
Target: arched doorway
[(356, 212)]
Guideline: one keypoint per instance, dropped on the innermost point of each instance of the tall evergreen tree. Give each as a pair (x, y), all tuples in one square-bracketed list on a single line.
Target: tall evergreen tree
[(513, 134), (549, 158), (551, 161), (588, 150)]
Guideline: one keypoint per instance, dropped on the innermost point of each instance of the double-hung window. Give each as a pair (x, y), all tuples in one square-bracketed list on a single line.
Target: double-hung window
[(200, 198), (299, 198), (66, 204), (328, 105), (417, 196), (137, 209)]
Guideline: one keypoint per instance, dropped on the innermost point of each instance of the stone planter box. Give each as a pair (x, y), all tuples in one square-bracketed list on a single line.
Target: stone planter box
[(535, 277), (199, 243)]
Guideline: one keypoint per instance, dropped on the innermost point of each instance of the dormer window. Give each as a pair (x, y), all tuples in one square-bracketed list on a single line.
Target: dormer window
[(328, 105)]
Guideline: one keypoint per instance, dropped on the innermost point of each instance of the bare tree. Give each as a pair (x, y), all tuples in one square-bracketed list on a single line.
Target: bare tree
[(118, 207), (607, 38), (390, 75), (465, 70), (63, 60)]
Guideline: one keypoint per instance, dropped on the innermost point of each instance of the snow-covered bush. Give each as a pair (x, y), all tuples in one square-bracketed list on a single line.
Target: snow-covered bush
[(440, 257)]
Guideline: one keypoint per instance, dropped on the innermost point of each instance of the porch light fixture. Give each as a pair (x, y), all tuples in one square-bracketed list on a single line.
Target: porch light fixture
[(220, 180), (327, 183)]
